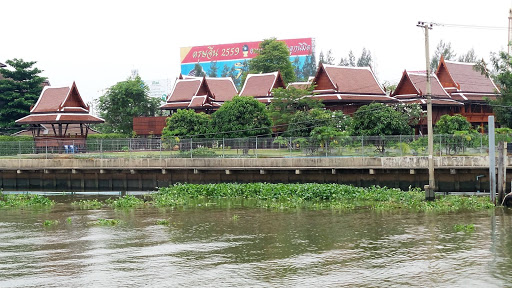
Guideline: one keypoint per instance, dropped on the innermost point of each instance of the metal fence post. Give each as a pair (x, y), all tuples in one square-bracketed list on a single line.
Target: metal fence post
[(191, 152), (362, 145), (256, 150), (223, 147), (160, 148), (290, 146), (101, 148)]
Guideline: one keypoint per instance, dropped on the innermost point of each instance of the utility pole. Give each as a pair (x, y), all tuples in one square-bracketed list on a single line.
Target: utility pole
[(429, 189), (509, 44)]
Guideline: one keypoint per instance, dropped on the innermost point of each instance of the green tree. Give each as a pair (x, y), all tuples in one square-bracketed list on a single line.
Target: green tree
[(186, 123), (450, 124), (213, 69), (272, 56), (328, 58), (378, 119), (241, 117), (303, 123), (287, 102), (365, 60), (460, 130), (122, 102), (444, 49), (501, 73), (469, 57), (18, 91)]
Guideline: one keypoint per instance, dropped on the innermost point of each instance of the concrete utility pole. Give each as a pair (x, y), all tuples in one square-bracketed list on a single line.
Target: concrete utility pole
[(509, 44), (429, 191)]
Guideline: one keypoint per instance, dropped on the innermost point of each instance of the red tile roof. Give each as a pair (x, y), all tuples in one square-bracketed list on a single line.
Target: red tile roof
[(261, 85), (184, 89), (470, 80), (413, 84), (53, 118), (223, 89), (300, 85), (59, 105), (473, 97), (360, 80)]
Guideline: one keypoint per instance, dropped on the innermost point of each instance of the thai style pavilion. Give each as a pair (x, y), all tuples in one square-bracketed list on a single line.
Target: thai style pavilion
[(260, 86), (348, 88), (59, 108), (411, 90), (470, 87), (199, 93)]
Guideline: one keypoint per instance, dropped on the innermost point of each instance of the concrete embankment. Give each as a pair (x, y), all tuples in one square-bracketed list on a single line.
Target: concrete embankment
[(458, 173)]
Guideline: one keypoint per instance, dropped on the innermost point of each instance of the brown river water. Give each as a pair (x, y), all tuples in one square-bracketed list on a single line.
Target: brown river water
[(231, 245)]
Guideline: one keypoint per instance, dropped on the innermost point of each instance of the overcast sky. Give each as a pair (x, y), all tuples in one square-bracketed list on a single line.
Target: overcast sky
[(98, 43)]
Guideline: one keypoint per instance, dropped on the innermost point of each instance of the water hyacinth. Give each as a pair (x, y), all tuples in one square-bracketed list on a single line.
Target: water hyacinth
[(24, 200), (88, 204), (319, 196), (128, 201)]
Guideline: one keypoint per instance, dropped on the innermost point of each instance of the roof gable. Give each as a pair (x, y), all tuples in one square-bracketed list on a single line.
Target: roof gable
[(406, 86), (60, 99), (345, 79), (468, 79), (261, 85), (222, 89)]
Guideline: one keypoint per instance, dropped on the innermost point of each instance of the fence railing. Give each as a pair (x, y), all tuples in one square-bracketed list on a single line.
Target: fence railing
[(345, 146)]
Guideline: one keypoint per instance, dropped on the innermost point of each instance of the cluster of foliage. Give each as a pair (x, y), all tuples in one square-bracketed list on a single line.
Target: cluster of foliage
[(19, 89), (122, 102), (88, 204), (445, 49), (107, 222), (501, 73), (128, 201), (239, 118), (364, 60), (321, 196), (24, 200), (272, 56)]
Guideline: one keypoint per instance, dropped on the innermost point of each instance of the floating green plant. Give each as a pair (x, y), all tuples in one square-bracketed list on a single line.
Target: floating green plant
[(88, 204), (464, 228), (164, 222), (234, 217), (24, 200), (318, 196), (128, 201), (49, 223), (68, 220), (107, 222)]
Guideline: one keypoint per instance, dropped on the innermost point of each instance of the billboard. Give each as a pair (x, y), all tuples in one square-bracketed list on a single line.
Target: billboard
[(231, 59)]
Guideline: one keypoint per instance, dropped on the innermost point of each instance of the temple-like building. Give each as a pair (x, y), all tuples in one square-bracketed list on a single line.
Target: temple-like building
[(470, 87), (199, 93), (260, 86), (348, 88), (412, 90), (59, 108)]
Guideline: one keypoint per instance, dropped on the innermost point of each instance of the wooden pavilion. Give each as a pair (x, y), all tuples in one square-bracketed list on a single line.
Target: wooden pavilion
[(348, 88), (260, 86), (202, 94), (59, 108), (411, 90), (470, 87)]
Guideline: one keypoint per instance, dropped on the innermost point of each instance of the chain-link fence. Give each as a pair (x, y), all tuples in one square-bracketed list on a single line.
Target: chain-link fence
[(345, 146)]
